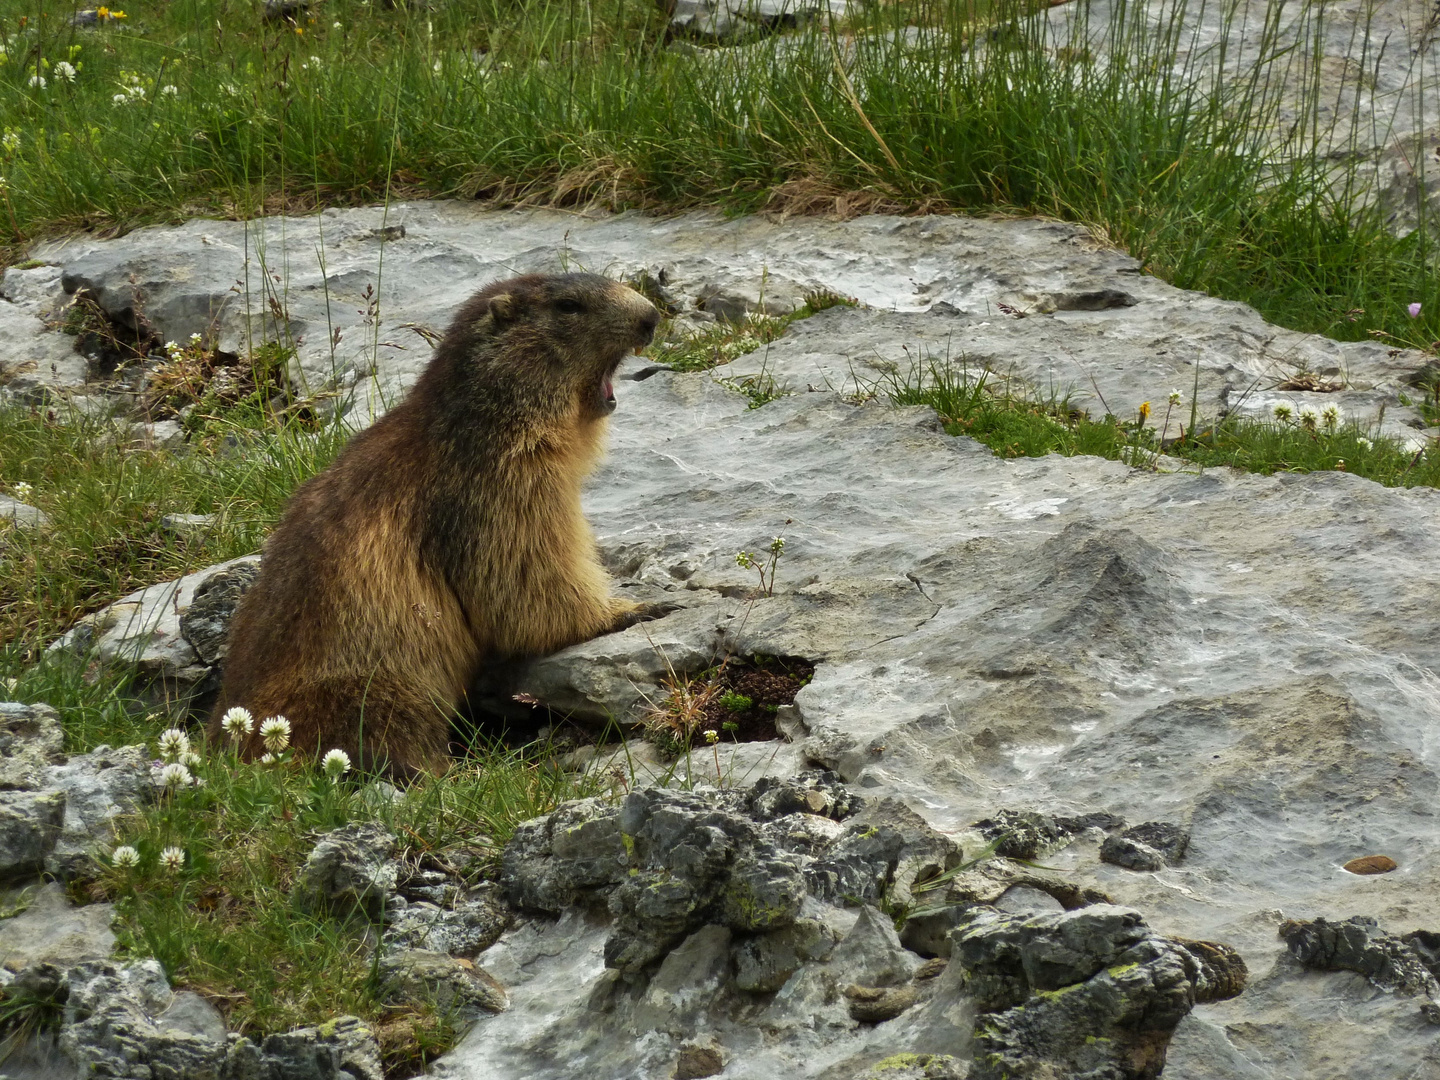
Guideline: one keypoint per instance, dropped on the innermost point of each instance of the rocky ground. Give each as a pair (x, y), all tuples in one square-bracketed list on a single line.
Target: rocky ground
[(1193, 698)]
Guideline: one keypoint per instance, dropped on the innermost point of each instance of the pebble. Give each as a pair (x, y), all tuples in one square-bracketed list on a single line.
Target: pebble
[(1371, 864)]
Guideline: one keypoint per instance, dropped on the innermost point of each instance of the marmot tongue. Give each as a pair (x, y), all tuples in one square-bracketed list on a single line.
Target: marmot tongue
[(608, 390)]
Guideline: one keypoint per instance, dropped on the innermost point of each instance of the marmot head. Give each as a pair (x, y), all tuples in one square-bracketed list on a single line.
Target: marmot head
[(558, 339)]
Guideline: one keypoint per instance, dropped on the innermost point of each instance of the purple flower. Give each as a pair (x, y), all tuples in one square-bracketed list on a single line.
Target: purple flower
[(1414, 310)]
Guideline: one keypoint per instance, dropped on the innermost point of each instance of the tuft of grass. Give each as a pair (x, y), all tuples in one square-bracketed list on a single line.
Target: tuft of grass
[(224, 923), (1014, 424), (725, 341)]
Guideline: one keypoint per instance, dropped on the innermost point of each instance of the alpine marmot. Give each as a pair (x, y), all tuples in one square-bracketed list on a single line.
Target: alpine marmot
[(446, 535)]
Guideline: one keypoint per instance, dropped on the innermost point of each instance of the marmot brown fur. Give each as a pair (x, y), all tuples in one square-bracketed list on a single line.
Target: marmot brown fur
[(446, 535)]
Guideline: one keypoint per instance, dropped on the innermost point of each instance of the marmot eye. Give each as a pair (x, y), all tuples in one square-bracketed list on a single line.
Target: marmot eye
[(570, 307)]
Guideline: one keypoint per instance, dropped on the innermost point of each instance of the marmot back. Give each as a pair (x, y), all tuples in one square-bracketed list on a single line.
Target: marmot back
[(447, 534)]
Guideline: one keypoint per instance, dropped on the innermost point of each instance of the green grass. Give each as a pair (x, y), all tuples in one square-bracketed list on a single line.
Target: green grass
[(1015, 424), (225, 923), (580, 102)]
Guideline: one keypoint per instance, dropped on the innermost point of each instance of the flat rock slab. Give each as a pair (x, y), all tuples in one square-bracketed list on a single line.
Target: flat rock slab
[(51, 930), (1083, 322)]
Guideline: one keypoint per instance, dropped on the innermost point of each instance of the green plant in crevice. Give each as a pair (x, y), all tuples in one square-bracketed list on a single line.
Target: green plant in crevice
[(764, 564)]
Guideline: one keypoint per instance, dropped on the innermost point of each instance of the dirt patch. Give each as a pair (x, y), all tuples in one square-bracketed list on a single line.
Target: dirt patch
[(738, 701)]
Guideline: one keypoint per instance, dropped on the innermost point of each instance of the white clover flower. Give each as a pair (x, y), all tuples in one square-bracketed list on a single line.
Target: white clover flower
[(125, 856), (10, 141), (169, 90), (1309, 418), (38, 81), (1174, 397), (1365, 443), (1330, 416), (22, 490), (176, 775), (267, 759), (237, 722), (1283, 412), (118, 99), (174, 744), (336, 764), (192, 760), (316, 61), (65, 70), (172, 859), (276, 733), (335, 25)]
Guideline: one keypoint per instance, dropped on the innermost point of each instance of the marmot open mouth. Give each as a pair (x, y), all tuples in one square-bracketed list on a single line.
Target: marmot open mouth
[(607, 395)]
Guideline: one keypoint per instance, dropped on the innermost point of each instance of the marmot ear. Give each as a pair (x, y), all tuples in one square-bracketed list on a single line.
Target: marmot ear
[(502, 308)]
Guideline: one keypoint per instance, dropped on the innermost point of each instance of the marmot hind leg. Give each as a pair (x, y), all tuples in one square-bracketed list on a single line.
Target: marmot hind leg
[(382, 725)]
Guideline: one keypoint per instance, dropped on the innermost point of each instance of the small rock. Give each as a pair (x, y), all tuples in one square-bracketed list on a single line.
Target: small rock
[(187, 525), (30, 740), (885, 849), (30, 824), (465, 928), (1371, 864), (814, 791), (876, 1004), (1131, 854), (1358, 944), (697, 1061), (52, 930), (191, 1014), (351, 869), (21, 515), (417, 977), (1170, 840)]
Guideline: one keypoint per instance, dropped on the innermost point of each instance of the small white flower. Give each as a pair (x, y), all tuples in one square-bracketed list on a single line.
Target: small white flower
[(10, 141), (118, 99), (712, 736), (231, 89), (1283, 412), (1365, 443), (172, 859), (192, 760), (267, 759), (275, 732), (1309, 417), (169, 90), (174, 744), (1174, 397), (176, 775), (335, 763), (125, 856), (65, 70), (135, 90), (315, 60), (335, 25), (38, 81), (195, 339), (437, 67), (1330, 416), (22, 490), (237, 722)]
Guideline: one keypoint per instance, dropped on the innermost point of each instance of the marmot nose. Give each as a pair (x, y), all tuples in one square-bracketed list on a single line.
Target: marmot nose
[(648, 322)]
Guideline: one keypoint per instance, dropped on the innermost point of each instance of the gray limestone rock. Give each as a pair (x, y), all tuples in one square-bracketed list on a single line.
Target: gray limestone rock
[(52, 930), (1087, 993), (30, 824), (764, 963), (1131, 854), (453, 987), (98, 786), (340, 1049), (206, 622), (351, 870), (686, 982), (21, 515), (464, 928), (886, 848), (30, 740), (1358, 944)]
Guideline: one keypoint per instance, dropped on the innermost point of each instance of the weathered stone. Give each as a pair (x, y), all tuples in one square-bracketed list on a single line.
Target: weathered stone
[(552, 861), (686, 983), (1131, 854), (696, 1061), (205, 624), (14, 513), (350, 870), (464, 928), (814, 791), (1091, 992), (885, 850), (30, 824), (340, 1049), (1024, 834), (917, 1067), (52, 930), (1168, 839), (453, 987), (99, 787), (30, 740), (764, 963), (1358, 944), (876, 1004)]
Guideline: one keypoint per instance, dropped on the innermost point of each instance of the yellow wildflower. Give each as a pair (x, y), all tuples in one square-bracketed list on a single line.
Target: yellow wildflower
[(1144, 411), (102, 12)]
